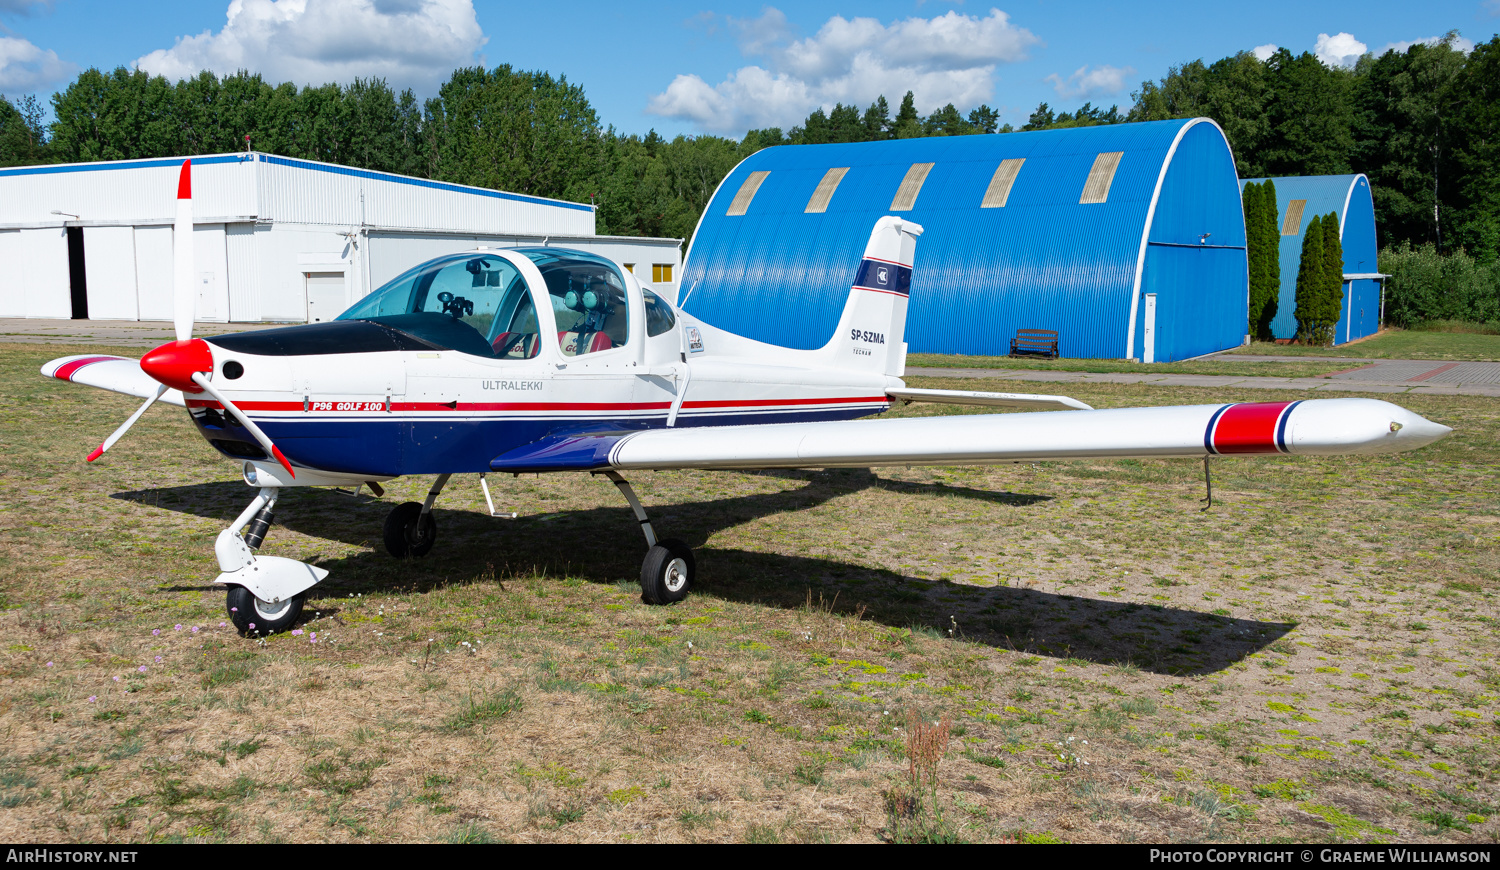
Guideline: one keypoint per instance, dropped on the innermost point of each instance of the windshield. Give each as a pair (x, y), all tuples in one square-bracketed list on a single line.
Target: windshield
[(475, 303)]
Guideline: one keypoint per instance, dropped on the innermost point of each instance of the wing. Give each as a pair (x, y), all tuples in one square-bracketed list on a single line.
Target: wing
[(1314, 427), (114, 373)]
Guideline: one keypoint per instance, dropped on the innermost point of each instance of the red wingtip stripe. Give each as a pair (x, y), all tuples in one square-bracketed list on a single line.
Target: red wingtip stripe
[(98, 452), (276, 451), (185, 181), (66, 371), (1249, 427)]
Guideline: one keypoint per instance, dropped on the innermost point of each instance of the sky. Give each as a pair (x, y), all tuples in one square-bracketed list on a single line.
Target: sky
[(685, 67)]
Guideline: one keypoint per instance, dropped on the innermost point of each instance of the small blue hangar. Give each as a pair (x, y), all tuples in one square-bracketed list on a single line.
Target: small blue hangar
[(1298, 200), (1128, 240)]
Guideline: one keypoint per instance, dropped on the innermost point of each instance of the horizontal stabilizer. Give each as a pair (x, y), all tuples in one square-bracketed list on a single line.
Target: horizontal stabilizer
[(997, 400), (114, 373)]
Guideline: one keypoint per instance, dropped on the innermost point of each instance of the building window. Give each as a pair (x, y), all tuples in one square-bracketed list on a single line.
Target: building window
[(818, 204), (911, 185), (661, 273), (741, 202), (1101, 176), (1001, 182), (1293, 222)]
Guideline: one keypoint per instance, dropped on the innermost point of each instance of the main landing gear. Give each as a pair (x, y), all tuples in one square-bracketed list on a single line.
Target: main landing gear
[(668, 572), (410, 528)]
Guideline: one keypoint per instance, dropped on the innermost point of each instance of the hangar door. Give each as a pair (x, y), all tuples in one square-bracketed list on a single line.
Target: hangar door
[(1201, 300)]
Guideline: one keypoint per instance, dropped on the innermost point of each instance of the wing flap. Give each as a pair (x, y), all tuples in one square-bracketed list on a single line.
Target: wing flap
[(997, 400), (114, 373)]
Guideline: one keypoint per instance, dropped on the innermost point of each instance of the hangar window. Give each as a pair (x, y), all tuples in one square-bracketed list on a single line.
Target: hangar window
[(819, 202), (1000, 184), (661, 273), (911, 185), (1293, 222), (741, 202), (1101, 176)]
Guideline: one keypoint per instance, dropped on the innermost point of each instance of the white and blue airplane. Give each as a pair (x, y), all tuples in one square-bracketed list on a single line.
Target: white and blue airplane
[(552, 360)]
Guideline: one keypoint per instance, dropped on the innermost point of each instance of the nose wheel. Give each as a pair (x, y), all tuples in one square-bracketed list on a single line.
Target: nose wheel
[(253, 616)]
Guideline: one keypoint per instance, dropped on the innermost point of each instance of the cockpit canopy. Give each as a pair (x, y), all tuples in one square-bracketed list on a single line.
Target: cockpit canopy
[(479, 303)]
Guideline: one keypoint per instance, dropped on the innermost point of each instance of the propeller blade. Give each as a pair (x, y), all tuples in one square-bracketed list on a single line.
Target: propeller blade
[(203, 383), (184, 294), (125, 427)]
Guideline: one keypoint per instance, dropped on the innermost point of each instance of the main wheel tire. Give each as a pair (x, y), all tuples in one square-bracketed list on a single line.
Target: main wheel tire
[(409, 532), (253, 616), (668, 572)]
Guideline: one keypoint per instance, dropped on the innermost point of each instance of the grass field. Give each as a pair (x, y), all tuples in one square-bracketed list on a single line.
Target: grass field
[(1391, 344), (1314, 659)]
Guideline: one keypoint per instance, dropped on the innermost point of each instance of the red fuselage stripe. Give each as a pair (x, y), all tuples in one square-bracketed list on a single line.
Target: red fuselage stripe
[(65, 372), (378, 405), (1249, 428)]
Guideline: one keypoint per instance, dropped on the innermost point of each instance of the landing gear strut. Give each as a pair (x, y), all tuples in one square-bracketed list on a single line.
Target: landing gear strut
[(668, 572), (265, 593), (410, 528)]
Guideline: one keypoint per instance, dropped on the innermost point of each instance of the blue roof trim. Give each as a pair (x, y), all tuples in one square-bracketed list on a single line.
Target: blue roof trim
[(570, 452), (56, 168), (421, 182)]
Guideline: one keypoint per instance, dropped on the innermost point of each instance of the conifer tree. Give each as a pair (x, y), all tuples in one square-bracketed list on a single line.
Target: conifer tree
[(1255, 253), (1310, 283), (1271, 230), (1333, 279)]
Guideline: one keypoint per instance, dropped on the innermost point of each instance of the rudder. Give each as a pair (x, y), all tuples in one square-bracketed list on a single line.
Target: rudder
[(871, 334)]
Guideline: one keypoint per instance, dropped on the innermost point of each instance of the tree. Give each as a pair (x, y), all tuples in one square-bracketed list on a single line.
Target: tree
[(1252, 199), (1310, 283), (23, 138), (984, 119), (1473, 114), (908, 123), (1270, 230), (1333, 279)]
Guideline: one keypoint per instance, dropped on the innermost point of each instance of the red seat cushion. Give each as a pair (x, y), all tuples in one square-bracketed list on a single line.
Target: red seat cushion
[(597, 341), (525, 347)]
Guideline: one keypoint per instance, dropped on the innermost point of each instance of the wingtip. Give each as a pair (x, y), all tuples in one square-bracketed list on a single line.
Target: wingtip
[(185, 180), (98, 452)]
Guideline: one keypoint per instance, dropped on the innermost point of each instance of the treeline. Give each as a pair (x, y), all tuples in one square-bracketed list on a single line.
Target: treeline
[(1423, 123)]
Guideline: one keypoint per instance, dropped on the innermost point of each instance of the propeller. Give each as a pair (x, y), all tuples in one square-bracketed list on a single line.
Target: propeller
[(185, 364)]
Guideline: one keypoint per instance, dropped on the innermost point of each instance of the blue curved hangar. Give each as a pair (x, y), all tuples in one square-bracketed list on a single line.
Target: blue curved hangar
[(1128, 240), (1298, 200)]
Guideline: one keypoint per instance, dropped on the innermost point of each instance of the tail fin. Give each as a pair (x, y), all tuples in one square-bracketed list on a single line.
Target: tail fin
[(871, 335)]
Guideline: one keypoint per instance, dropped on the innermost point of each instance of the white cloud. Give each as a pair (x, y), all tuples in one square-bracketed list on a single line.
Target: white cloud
[(1097, 82), (409, 43), (1458, 42), (1342, 49), (947, 59), (1262, 52), (25, 68)]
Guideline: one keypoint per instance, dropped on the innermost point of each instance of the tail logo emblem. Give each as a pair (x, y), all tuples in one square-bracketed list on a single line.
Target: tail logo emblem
[(883, 276)]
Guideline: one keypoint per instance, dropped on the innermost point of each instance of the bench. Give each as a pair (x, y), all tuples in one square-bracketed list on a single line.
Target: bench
[(1034, 342)]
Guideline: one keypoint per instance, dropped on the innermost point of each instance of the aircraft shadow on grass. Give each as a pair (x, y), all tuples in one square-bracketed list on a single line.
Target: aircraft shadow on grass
[(603, 545)]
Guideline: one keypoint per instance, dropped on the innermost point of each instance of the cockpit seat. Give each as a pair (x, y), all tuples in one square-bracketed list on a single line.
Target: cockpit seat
[(592, 342), (516, 345)]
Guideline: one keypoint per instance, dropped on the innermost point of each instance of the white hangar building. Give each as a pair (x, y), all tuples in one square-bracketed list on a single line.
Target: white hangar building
[(277, 239)]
